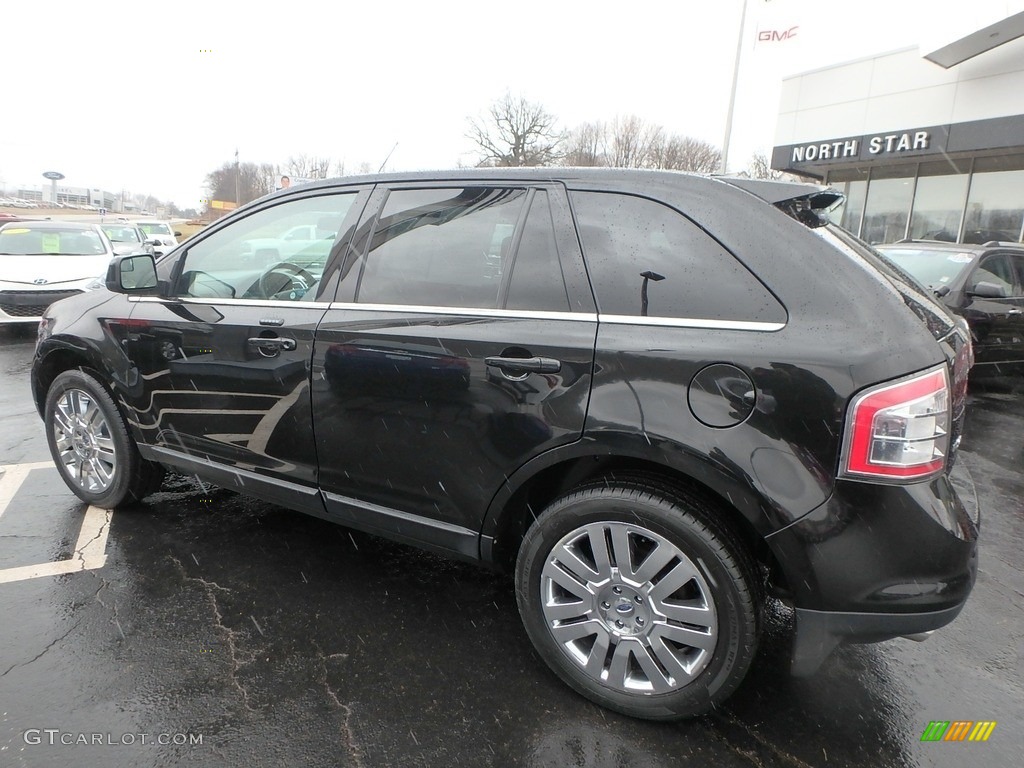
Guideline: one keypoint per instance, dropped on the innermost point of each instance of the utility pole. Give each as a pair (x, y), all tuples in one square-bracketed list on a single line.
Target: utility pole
[(238, 197), (732, 93)]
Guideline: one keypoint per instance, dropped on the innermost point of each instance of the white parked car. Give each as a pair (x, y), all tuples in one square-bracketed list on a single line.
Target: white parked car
[(44, 261), (161, 233)]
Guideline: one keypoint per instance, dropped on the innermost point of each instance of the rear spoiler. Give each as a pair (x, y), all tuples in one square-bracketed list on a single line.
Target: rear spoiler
[(807, 203)]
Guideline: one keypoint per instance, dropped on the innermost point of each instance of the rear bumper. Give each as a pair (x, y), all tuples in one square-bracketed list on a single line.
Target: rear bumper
[(876, 562), (818, 633)]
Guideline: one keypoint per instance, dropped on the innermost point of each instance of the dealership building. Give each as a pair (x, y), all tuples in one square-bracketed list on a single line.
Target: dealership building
[(926, 143)]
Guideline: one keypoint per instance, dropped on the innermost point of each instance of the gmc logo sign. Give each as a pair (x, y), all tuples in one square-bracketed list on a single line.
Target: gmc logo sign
[(776, 35)]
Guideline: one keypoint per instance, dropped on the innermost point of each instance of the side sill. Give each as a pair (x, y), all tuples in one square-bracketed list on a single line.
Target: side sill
[(422, 532), (302, 498)]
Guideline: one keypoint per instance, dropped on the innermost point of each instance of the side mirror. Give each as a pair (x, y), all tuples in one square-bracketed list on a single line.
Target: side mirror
[(177, 234), (152, 241), (988, 291), (132, 274)]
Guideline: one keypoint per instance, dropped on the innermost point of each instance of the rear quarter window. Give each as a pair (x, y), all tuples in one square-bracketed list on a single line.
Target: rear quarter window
[(647, 259)]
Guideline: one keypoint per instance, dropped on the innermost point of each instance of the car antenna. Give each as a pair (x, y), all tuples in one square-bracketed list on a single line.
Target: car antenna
[(388, 157)]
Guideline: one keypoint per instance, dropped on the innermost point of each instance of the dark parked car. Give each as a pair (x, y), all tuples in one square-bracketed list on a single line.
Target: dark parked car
[(984, 284), (654, 397)]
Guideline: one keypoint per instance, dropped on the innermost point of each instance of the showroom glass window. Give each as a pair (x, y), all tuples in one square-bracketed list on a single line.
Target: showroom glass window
[(441, 247), (278, 253), (853, 184), (938, 203), (995, 205), (646, 259), (888, 205)]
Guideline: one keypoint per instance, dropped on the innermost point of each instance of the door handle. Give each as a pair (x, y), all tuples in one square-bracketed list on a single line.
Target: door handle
[(272, 344), (1015, 312), (525, 364)]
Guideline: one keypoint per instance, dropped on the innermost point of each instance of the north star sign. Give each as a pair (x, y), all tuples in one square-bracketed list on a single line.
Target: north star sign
[(878, 144)]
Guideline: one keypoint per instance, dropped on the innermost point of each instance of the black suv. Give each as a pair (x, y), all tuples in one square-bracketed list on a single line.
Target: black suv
[(655, 397), (984, 284)]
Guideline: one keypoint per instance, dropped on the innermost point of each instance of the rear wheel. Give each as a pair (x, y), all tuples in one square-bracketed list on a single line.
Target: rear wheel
[(639, 600), (90, 444)]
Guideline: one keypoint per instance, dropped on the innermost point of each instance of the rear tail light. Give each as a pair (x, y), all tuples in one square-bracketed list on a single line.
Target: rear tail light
[(899, 432)]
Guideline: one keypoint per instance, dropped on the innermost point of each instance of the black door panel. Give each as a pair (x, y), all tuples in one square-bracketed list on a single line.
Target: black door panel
[(409, 415)]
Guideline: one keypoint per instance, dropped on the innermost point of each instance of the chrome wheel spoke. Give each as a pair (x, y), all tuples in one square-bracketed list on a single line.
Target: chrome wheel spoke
[(669, 660), (599, 546), (62, 420), (619, 667), (101, 472), (555, 573), (659, 682), (564, 611), (654, 562), (598, 654), (701, 616), (573, 563), (105, 448), (620, 547), (674, 580), (566, 633), (693, 638), (92, 417)]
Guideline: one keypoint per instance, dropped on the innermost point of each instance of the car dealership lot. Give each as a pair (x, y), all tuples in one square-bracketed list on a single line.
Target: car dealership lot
[(281, 639)]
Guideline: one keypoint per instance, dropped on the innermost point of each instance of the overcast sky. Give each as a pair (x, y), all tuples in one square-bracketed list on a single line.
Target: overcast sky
[(151, 96)]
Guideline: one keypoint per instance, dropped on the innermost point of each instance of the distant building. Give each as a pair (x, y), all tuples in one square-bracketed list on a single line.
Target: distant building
[(79, 196), (925, 145)]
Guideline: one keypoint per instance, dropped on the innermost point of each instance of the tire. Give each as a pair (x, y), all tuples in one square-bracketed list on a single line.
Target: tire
[(90, 444), (639, 600)]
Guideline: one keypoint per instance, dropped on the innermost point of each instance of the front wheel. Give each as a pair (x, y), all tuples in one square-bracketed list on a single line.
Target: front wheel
[(639, 600), (90, 444)]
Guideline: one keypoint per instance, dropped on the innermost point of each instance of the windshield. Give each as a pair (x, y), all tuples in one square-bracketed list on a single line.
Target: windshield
[(933, 268), (155, 228), (55, 241), (123, 234)]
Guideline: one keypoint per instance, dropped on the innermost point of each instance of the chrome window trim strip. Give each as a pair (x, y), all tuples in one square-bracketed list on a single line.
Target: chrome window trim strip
[(692, 322), (517, 314), (232, 302)]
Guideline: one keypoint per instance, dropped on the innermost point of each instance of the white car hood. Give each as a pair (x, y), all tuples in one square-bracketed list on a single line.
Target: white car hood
[(53, 269)]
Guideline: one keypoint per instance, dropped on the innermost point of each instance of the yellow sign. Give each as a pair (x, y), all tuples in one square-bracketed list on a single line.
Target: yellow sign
[(50, 242), (223, 205)]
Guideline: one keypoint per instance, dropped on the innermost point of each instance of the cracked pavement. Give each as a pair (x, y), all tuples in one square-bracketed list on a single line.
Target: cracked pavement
[(284, 640)]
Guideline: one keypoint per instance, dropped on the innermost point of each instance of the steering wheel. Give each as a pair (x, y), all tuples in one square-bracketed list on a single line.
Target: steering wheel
[(285, 278)]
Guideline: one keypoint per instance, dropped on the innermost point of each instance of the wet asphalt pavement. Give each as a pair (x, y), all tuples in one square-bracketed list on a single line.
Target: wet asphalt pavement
[(281, 640)]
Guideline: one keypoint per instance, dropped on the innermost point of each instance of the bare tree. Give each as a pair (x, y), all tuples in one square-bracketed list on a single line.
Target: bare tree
[(252, 181), (632, 142), (685, 153), (516, 132), (585, 146), (309, 167), (760, 168)]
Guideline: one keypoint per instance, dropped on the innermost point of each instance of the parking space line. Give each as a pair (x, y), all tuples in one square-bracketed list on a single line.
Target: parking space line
[(90, 549), (11, 478)]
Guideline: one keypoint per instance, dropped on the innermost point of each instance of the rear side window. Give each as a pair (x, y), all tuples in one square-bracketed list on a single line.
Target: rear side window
[(441, 247), (646, 259)]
